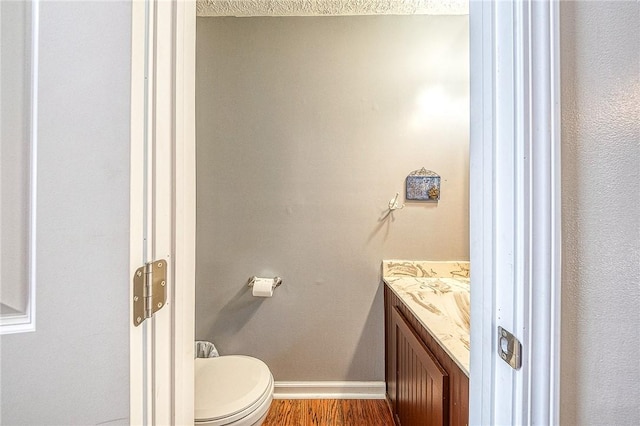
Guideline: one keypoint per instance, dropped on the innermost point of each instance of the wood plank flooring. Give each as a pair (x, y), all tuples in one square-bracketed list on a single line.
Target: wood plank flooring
[(329, 412)]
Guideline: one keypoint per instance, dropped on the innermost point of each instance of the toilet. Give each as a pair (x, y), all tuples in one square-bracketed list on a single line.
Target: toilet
[(233, 390)]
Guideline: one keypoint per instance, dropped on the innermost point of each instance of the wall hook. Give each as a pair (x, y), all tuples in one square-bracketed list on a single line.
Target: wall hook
[(393, 203)]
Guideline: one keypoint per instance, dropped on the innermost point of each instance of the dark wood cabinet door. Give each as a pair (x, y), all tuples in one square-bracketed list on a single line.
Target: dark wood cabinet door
[(422, 385)]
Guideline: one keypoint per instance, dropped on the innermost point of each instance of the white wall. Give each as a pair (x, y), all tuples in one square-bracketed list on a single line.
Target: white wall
[(600, 372), (74, 369), (306, 127)]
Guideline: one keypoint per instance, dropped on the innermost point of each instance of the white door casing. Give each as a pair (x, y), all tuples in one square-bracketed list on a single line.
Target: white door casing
[(514, 207), (163, 217), (515, 210)]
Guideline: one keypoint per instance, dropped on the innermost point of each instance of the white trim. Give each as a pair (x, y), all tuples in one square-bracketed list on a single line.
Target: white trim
[(515, 210), (330, 390), (163, 206), (543, 302), (161, 216), (185, 210), (33, 204), (481, 212), (138, 398)]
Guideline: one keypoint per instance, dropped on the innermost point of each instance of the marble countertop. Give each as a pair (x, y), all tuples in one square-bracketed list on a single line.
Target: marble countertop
[(438, 295)]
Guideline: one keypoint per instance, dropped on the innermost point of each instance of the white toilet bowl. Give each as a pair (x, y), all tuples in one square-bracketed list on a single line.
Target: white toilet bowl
[(232, 390)]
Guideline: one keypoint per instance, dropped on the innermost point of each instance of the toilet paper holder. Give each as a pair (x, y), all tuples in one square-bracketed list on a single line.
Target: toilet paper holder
[(276, 281)]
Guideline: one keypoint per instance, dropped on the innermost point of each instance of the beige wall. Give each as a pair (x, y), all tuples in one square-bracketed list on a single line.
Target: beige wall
[(306, 127), (600, 373)]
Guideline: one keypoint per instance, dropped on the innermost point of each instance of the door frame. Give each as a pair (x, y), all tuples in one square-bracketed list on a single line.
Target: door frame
[(162, 207), (514, 207)]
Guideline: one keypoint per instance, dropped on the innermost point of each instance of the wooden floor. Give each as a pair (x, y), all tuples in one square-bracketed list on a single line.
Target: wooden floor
[(329, 412)]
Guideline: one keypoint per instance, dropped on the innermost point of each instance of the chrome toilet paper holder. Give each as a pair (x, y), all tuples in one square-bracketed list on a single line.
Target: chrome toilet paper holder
[(276, 282)]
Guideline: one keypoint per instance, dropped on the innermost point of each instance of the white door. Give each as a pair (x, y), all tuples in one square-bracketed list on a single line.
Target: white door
[(101, 163), (71, 366)]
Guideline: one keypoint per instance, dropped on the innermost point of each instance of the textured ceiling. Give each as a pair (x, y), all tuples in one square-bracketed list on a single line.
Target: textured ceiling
[(330, 7)]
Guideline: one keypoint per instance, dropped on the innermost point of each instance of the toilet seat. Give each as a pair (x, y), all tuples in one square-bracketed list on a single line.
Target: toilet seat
[(230, 388)]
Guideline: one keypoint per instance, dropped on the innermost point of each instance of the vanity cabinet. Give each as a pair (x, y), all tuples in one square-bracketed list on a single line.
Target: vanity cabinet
[(424, 385)]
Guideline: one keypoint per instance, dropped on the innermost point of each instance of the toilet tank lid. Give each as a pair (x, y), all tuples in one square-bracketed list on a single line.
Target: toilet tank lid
[(227, 385)]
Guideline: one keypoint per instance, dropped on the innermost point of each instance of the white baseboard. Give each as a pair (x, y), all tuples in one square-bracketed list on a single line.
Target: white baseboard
[(329, 390)]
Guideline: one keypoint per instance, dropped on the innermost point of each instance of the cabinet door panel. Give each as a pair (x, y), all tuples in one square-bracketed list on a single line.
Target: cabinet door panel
[(390, 348), (422, 388)]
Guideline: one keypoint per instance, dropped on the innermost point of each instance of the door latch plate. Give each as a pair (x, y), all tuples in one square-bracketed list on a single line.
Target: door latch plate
[(509, 348)]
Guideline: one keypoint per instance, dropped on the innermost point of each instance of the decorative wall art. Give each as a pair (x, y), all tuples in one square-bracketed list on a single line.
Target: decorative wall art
[(423, 185)]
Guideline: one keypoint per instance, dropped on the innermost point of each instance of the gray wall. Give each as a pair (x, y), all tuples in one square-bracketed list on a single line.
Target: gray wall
[(306, 127), (75, 368), (600, 45)]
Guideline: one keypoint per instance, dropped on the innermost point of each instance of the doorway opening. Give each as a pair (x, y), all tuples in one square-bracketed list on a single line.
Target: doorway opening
[(306, 127)]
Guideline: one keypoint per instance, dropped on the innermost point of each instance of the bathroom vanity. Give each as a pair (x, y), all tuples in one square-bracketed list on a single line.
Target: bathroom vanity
[(427, 341)]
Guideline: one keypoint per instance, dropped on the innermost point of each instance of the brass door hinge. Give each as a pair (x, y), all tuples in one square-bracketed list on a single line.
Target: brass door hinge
[(149, 290)]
